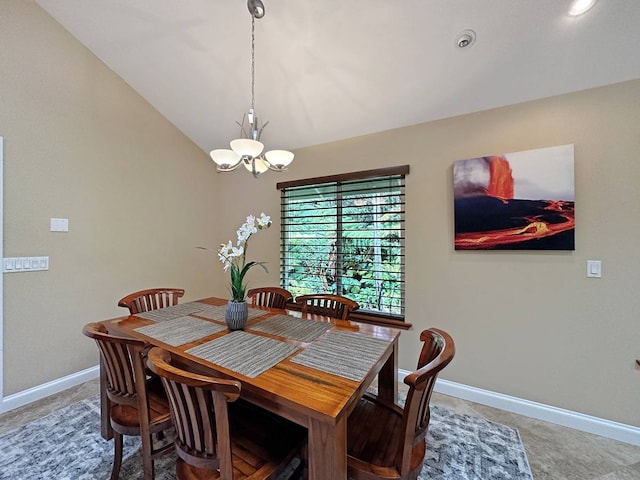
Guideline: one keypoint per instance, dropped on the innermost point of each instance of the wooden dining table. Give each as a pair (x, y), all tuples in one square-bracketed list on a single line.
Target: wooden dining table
[(310, 369)]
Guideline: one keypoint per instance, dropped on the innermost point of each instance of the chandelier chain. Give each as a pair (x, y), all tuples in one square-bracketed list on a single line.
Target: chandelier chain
[(253, 62)]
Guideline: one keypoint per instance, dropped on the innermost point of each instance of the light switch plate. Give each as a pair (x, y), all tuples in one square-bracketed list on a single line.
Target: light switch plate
[(594, 268), (24, 264), (59, 225)]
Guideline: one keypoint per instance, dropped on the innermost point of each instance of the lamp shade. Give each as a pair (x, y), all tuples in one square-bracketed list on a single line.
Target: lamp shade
[(279, 158), (225, 158), (245, 147), (260, 165)]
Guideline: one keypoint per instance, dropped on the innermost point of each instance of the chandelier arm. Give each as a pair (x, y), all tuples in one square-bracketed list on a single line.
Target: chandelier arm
[(274, 168), (230, 168), (243, 132), (271, 166), (262, 128)]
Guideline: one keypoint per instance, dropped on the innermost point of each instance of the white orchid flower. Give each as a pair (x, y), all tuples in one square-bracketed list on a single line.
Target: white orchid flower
[(243, 234), (264, 221), (224, 251), (250, 225), (233, 258)]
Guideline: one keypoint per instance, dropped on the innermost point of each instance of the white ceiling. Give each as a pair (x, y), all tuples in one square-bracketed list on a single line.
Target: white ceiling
[(332, 69)]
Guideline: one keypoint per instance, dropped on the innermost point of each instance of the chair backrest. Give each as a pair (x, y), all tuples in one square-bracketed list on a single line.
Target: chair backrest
[(335, 306), (274, 297), (198, 407), (123, 361), (151, 299), (437, 352)]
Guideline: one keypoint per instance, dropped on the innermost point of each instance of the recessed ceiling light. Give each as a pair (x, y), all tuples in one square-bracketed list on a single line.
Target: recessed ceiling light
[(466, 38), (578, 7)]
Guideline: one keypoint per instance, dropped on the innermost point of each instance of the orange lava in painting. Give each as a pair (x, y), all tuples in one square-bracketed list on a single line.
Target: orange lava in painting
[(500, 178)]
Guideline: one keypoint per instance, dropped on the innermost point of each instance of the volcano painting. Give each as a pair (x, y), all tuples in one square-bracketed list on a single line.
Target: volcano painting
[(515, 201)]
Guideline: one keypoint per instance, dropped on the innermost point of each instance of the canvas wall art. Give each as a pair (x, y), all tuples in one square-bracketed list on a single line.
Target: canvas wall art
[(515, 201)]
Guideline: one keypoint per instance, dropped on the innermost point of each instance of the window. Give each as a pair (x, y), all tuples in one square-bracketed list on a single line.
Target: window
[(344, 234)]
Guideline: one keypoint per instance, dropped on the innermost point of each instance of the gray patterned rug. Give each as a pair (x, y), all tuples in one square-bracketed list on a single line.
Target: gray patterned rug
[(66, 445)]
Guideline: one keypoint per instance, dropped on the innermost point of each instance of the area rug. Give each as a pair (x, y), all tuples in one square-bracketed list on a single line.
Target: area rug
[(66, 445)]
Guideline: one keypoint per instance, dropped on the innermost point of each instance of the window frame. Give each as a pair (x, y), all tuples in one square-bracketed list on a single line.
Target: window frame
[(382, 318)]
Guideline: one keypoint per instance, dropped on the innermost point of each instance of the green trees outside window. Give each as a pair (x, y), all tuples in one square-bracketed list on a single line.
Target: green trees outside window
[(346, 236)]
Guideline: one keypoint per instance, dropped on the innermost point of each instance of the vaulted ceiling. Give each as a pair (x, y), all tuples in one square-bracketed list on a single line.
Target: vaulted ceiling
[(331, 69)]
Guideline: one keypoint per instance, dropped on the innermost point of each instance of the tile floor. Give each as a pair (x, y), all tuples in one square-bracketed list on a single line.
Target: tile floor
[(554, 452)]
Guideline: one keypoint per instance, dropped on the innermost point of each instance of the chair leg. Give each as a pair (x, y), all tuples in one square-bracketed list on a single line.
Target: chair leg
[(147, 459), (117, 456)]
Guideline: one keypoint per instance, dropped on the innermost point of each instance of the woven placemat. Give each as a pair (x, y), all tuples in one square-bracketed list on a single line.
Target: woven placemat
[(216, 312), (244, 353), (180, 330), (349, 355), (175, 311), (299, 329)]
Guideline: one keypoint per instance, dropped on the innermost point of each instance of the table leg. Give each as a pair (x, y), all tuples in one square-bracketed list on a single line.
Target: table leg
[(388, 377), (327, 450), (105, 406)]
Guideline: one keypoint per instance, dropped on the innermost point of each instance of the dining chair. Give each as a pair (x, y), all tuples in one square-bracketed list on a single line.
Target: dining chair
[(138, 405), (138, 302), (214, 440), (150, 299), (386, 441), (335, 306), (274, 297)]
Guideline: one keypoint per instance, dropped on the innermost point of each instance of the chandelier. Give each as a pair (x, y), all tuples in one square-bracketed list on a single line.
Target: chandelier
[(247, 150)]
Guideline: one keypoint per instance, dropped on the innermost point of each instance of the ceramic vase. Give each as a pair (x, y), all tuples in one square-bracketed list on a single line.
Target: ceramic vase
[(236, 315)]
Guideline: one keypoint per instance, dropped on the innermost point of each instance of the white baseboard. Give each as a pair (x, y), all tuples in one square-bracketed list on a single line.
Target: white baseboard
[(46, 389), (559, 416)]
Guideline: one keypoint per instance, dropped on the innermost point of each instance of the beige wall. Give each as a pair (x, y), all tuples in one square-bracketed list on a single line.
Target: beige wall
[(80, 144), (527, 324)]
